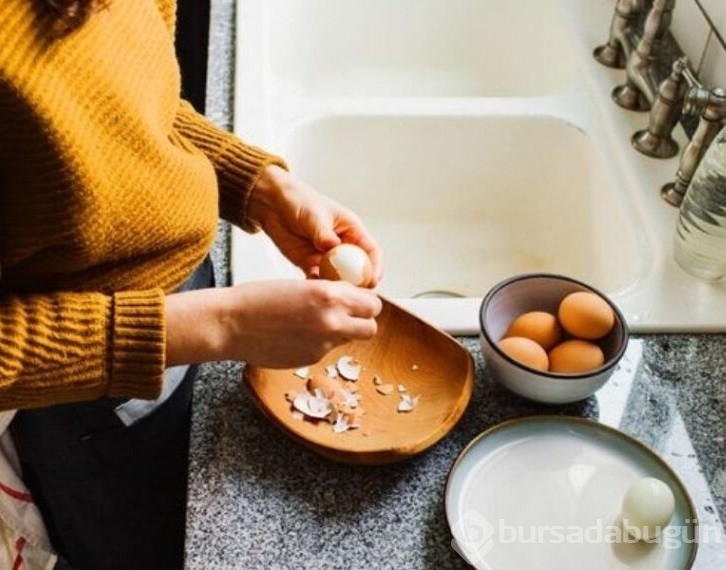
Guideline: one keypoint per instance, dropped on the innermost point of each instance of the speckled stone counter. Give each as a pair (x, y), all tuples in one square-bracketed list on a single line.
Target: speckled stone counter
[(259, 500)]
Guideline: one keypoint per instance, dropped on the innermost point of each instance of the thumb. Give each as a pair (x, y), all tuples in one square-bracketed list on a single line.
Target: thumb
[(325, 239), (323, 234)]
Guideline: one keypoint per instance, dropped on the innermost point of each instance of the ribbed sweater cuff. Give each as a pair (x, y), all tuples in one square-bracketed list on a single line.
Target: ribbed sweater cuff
[(138, 344), (239, 168)]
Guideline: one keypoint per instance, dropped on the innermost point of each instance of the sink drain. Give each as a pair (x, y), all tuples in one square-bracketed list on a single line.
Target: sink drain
[(438, 295)]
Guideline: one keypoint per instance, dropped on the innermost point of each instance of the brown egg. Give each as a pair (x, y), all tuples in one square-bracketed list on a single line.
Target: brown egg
[(586, 315), (576, 355), (525, 351), (539, 326), (347, 262)]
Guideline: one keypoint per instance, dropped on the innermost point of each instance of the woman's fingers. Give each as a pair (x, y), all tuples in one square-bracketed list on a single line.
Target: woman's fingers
[(364, 304)]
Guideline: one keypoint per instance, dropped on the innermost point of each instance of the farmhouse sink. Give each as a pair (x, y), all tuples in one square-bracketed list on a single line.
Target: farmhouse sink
[(418, 48), (477, 140), (459, 203)]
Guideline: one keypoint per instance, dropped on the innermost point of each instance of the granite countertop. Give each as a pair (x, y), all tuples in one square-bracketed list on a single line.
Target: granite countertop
[(259, 500)]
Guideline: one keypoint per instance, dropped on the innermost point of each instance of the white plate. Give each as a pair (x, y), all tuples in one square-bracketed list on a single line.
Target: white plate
[(545, 492)]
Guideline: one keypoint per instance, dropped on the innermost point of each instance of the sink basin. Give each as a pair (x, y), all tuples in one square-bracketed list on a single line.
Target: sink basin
[(418, 48), (460, 203), (477, 140)]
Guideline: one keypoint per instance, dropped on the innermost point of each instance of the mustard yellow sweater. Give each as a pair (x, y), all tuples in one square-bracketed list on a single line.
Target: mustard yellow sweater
[(110, 190)]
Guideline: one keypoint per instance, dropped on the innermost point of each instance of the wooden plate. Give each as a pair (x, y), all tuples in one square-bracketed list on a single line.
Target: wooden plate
[(407, 351)]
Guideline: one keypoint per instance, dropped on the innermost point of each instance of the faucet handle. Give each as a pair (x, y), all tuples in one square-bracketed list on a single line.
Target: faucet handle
[(657, 140)]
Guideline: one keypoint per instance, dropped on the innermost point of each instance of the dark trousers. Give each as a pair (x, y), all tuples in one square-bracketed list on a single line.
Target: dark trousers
[(112, 496)]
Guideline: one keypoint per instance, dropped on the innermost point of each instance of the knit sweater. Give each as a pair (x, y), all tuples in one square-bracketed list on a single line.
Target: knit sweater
[(110, 191)]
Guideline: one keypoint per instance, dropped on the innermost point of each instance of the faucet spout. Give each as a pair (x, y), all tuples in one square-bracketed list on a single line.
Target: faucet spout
[(622, 38), (644, 67)]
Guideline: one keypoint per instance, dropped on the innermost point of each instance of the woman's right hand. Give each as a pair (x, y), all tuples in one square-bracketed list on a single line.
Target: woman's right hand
[(275, 324)]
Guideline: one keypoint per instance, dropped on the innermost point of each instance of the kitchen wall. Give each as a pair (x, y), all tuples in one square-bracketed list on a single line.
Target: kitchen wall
[(699, 27)]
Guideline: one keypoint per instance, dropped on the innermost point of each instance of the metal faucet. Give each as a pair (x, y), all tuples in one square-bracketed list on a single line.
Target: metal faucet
[(712, 107), (657, 140), (623, 28), (646, 66), (681, 94)]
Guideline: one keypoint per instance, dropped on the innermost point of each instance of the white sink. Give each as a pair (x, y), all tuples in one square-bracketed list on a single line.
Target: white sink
[(417, 48), (475, 144), (461, 203)]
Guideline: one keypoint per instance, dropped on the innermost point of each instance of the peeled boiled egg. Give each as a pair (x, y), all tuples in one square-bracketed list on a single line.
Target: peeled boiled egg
[(648, 506), (576, 355), (347, 262), (586, 315), (525, 351), (539, 326)]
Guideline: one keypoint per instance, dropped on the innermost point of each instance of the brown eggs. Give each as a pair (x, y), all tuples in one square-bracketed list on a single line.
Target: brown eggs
[(563, 343), (347, 262), (539, 326), (576, 355), (526, 351), (585, 315)]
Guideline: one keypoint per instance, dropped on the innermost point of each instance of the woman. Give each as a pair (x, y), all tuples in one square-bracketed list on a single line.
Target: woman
[(110, 190)]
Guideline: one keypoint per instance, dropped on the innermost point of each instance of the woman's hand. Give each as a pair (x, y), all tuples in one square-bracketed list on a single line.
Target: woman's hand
[(304, 224), (276, 324)]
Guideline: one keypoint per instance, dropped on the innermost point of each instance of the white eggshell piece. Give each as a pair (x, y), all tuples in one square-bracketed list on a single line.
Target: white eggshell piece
[(303, 372), (385, 389), (348, 368), (407, 403), (313, 405)]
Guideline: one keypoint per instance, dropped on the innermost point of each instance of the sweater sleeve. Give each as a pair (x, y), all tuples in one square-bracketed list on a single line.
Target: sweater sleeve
[(68, 347), (238, 165)]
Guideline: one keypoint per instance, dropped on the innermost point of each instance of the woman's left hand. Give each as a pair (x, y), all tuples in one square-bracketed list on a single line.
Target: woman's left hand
[(304, 224)]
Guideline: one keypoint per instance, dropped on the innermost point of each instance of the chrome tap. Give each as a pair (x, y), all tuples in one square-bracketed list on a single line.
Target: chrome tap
[(623, 28), (644, 66), (712, 107)]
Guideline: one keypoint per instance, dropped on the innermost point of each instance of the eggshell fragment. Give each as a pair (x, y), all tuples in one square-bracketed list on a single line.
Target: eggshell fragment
[(407, 403), (385, 389), (576, 355), (313, 405), (525, 351), (348, 368), (540, 326), (586, 315), (302, 372), (343, 399), (347, 262), (327, 386)]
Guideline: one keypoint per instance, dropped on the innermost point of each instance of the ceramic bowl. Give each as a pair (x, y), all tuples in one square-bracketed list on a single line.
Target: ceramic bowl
[(543, 292)]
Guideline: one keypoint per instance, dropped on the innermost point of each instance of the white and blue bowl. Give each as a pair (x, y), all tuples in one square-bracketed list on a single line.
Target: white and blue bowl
[(543, 292)]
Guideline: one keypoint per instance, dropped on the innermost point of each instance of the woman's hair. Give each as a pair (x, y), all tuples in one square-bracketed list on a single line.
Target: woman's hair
[(69, 15)]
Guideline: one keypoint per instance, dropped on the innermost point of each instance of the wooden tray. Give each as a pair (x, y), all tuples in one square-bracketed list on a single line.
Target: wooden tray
[(408, 351)]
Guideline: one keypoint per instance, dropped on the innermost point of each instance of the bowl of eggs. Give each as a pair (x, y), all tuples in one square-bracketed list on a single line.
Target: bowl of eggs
[(550, 338)]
